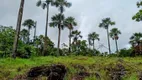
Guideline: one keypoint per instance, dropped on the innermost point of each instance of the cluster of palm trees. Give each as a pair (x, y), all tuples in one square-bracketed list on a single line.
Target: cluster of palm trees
[(61, 22), (114, 32), (58, 20)]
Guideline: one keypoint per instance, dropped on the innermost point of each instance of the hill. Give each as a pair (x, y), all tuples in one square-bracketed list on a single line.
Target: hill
[(87, 68)]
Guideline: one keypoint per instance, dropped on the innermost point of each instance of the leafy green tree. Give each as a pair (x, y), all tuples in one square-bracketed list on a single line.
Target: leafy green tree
[(56, 23), (138, 15), (92, 37), (39, 41), (45, 4), (19, 20), (29, 23), (6, 40), (70, 23), (114, 35), (105, 24), (24, 35)]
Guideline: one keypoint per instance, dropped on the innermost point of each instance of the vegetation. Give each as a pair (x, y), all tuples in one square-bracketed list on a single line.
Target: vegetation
[(75, 64)]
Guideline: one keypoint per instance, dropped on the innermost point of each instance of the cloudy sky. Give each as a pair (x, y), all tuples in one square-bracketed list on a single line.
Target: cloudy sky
[(88, 14)]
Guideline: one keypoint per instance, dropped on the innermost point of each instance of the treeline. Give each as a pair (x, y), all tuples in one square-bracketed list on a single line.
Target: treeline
[(24, 46)]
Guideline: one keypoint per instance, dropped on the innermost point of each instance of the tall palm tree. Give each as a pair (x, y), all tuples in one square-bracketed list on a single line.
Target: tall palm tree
[(70, 22), (94, 36), (61, 4), (19, 20), (56, 23), (45, 4), (114, 35), (24, 35), (105, 24), (29, 23)]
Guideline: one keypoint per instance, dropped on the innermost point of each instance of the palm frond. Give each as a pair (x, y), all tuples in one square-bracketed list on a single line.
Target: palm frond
[(39, 3), (44, 5)]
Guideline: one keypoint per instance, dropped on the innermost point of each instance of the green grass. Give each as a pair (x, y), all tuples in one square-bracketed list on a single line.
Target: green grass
[(9, 68)]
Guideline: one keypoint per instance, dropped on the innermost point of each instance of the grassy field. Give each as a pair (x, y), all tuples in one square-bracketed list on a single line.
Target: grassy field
[(9, 68)]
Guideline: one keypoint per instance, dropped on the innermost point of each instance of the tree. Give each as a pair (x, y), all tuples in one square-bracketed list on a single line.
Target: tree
[(56, 23), (76, 35), (6, 40), (138, 15), (114, 35), (135, 40), (70, 22), (105, 24), (61, 4), (92, 37), (45, 4), (29, 23), (24, 34), (89, 40), (19, 20)]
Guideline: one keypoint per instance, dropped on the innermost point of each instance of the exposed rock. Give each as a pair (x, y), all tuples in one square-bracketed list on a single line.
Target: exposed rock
[(140, 76), (81, 75), (54, 72), (98, 77), (117, 72)]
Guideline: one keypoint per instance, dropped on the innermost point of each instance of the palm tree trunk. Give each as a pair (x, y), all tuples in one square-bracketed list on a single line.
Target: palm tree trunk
[(35, 31), (139, 48), (116, 45), (108, 41), (29, 35), (69, 40), (46, 29), (19, 20), (59, 35), (93, 45)]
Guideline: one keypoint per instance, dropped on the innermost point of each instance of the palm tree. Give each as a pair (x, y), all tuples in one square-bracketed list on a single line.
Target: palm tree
[(29, 23), (70, 22), (56, 23), (93, 36), (45, 4), (89, 40), (61, 4), (24, 35), (114, 35), (136, 39), (76, 35), (105, 24), (19, 20)]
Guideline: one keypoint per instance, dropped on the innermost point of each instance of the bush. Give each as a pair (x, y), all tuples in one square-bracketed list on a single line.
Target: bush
[(126, 53)]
